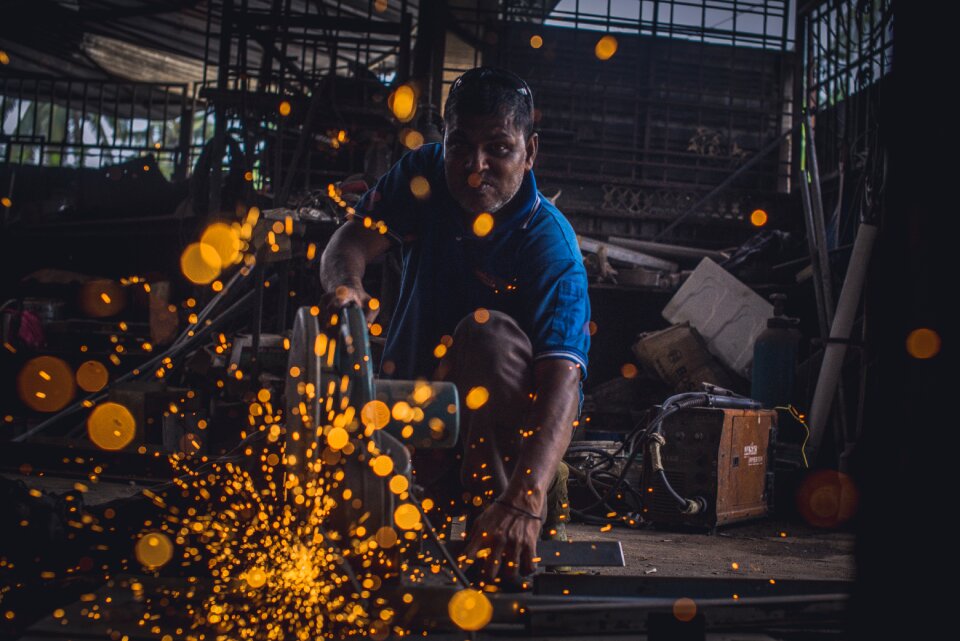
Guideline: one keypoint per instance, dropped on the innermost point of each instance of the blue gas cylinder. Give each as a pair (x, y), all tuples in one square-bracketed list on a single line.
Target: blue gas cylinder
[(775, 358)]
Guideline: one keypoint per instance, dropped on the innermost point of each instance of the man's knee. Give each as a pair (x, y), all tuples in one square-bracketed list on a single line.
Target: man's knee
[(490, 330)]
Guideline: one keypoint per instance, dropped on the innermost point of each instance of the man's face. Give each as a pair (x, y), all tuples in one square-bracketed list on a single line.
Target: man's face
[(485, 159)]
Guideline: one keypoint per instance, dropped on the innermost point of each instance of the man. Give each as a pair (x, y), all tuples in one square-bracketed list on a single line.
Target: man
[(493, 296)]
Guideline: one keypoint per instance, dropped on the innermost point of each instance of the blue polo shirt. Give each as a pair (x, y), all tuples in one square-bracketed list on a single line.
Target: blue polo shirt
[(529, 267)]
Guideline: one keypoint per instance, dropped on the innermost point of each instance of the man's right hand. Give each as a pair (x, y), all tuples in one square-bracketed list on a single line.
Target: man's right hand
[(332, 302)]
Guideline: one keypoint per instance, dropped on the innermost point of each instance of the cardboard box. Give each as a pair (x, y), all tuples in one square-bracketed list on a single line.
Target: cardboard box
[(679, 356)]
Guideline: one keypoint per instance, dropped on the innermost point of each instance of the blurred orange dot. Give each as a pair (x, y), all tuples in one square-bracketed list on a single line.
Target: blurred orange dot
[(923, 343), (403, 103), (420, 187), (827, 498), (758, 218), (629, 370), (92, 376), (684, 609), (411, 138), (285, 108), (45, 384), (536, 42), (481, 315), (605, 47), (477, 397), (483, 224)]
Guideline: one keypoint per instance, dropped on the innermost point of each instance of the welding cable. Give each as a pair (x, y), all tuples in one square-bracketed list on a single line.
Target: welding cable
[(669, 407), (655, 442)]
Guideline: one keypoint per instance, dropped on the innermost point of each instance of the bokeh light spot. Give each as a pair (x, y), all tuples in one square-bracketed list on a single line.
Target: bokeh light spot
[(337, 438), (536, 41), (200, 263), (382, 465), (111, 426), (256, 577), (629, 370), (101, 298), (399, 484), (483, 224), (285, 108), (225, 240), (375, 414), (92, 376), (154, 550), (411, 138), (470, 609), (420, 187), (477, 397), (827, 498), (923, 343), (758, 218), (45, 384), (386, 537), (605, 47), (406, 516), (403, 103), (684, 609)]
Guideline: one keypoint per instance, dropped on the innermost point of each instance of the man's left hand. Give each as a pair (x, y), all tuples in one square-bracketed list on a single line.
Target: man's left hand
[(504, 543)]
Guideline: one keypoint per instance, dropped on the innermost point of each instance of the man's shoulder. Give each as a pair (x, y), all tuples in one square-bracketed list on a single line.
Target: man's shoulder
[(426, 159), (550, 237)]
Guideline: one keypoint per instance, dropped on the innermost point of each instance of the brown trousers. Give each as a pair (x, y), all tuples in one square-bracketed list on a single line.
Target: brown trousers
[(489, 351)]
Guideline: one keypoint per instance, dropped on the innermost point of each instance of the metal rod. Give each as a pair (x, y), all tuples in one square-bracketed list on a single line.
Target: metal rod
[(818, 222), (814, 256)]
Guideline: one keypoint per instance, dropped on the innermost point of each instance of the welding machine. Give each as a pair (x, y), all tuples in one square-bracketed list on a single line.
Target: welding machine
[(707, 461)]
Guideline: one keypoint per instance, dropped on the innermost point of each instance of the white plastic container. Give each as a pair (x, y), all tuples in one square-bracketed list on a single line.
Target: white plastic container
[(728, 314)]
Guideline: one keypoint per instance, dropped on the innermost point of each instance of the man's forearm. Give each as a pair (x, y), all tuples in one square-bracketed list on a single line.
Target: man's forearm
[(546, 435), (345, 259), (341, 266)]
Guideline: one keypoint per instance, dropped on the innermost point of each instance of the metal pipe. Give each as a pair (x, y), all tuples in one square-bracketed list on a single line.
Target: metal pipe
[(834, 352), (816, 198)]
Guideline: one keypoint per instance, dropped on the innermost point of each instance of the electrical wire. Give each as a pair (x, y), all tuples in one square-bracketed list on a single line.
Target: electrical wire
[(798, 417), (633, 443)]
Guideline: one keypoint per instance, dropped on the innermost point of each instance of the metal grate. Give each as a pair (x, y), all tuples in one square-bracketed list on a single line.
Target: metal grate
[(83, 123), (633, 141), (848, 46)]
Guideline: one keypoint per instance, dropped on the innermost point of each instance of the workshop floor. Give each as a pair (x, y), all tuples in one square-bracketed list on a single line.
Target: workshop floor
[(757, 550), (766, 549)]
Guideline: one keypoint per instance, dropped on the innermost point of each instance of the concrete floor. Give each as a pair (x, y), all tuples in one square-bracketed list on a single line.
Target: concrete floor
[(758, 549)]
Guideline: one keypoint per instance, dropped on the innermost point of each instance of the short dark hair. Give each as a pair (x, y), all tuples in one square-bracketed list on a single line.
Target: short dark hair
[(486, 91)]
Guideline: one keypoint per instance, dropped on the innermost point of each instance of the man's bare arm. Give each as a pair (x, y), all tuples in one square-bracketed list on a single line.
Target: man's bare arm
[(510, 535), (345, 259)]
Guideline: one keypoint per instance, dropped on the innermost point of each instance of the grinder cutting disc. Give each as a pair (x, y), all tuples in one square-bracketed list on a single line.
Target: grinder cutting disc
[(330, 373)]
